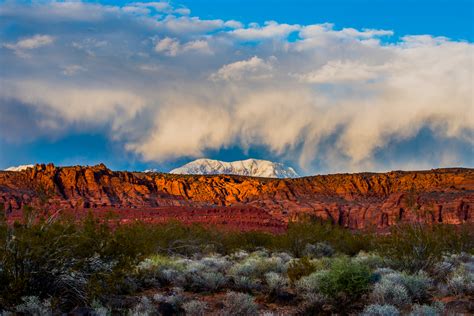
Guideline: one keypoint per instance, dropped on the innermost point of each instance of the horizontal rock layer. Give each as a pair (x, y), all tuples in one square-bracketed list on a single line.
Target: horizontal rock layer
[(350, 200)]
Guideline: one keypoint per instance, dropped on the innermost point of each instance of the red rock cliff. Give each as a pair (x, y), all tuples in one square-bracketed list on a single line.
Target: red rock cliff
[(351, 200)]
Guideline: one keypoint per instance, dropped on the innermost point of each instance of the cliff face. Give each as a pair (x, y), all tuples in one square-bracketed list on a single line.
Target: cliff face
[(351, 200)]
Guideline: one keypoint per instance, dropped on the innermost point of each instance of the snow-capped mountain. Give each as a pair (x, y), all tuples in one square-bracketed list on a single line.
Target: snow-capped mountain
[(19, 168), (249, 167)]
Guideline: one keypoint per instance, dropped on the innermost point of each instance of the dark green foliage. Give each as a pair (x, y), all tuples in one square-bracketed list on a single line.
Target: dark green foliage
[(414, 247), (68, 261), (312, 231), (345, 283)]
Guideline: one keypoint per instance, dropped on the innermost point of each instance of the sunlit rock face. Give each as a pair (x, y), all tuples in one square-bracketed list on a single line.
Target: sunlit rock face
[(350, 200)]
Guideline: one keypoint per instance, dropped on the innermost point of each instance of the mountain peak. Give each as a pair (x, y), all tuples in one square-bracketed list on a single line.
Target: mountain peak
[(249, 167), (19, 168)]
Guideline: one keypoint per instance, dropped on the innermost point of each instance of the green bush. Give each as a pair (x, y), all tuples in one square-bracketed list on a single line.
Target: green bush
[(345, 282)]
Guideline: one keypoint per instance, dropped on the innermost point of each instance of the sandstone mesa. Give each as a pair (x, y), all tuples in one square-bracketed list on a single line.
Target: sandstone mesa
[(355, 201)]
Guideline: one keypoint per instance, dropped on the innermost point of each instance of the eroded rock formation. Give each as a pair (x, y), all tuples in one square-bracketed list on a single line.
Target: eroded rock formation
[(351, 200)]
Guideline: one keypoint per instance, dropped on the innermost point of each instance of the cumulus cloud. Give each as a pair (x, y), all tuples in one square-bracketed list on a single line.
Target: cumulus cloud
[(253, 68), (172, 47), (29, 43), (329, 99), (337, 71), (59, 103), (190, 25), (271, 29)]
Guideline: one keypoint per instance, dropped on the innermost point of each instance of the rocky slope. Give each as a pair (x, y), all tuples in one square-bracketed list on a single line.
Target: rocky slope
[(249, 167), (351, 200)]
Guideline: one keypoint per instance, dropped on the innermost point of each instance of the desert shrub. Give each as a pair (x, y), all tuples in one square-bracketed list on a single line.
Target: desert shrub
[(300, 268), (216, 263), (200, 278), (389, 293), (245, 283), (32, 305), (380, 310), (310, 284), (195, 308), (143, 308), (256, 266), (99, 309), (249, 274), (159, 270), (73, 262), (232, 241), (381, 272), (311, 231), (207, 274), (170, 303), (312, 304), (372, 260), (423, 246), (345, 282), (435, 309), (417, 285), (238, 255), (450, 262), (176, 238), (240, 304), (318, 250), (285, 257), (461, 281), (276, 283)]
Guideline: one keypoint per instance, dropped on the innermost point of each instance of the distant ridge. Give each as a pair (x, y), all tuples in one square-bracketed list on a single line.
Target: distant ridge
[(355, 201), (249, 167)]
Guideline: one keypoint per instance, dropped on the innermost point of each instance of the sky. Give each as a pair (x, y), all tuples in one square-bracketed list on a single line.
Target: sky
[(322, 86)]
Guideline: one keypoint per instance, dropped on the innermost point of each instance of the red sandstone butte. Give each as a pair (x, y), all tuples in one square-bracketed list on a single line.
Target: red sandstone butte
[(351, 200)]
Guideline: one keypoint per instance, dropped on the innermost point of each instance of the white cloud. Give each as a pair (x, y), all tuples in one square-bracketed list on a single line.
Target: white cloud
[(158, 6), (183, 11), (172, 47), (186, 25), (335, 99), (168, 46), (71, 70), (337, 71), (59, 103), (29, 43), (365, 33), (271, 29), (200, 46), (253, 68), (136, 10), (57, 11), (233, 24)]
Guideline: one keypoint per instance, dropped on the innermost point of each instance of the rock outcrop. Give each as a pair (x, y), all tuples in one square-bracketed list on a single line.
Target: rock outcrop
[(350, 200)]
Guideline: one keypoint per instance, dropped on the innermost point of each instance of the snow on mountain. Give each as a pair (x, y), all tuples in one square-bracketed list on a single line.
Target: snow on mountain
[(19, 168), (249, 167), (151, 170)]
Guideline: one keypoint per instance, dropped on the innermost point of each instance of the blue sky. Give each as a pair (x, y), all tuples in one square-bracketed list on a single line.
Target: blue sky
[(324, 86)]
